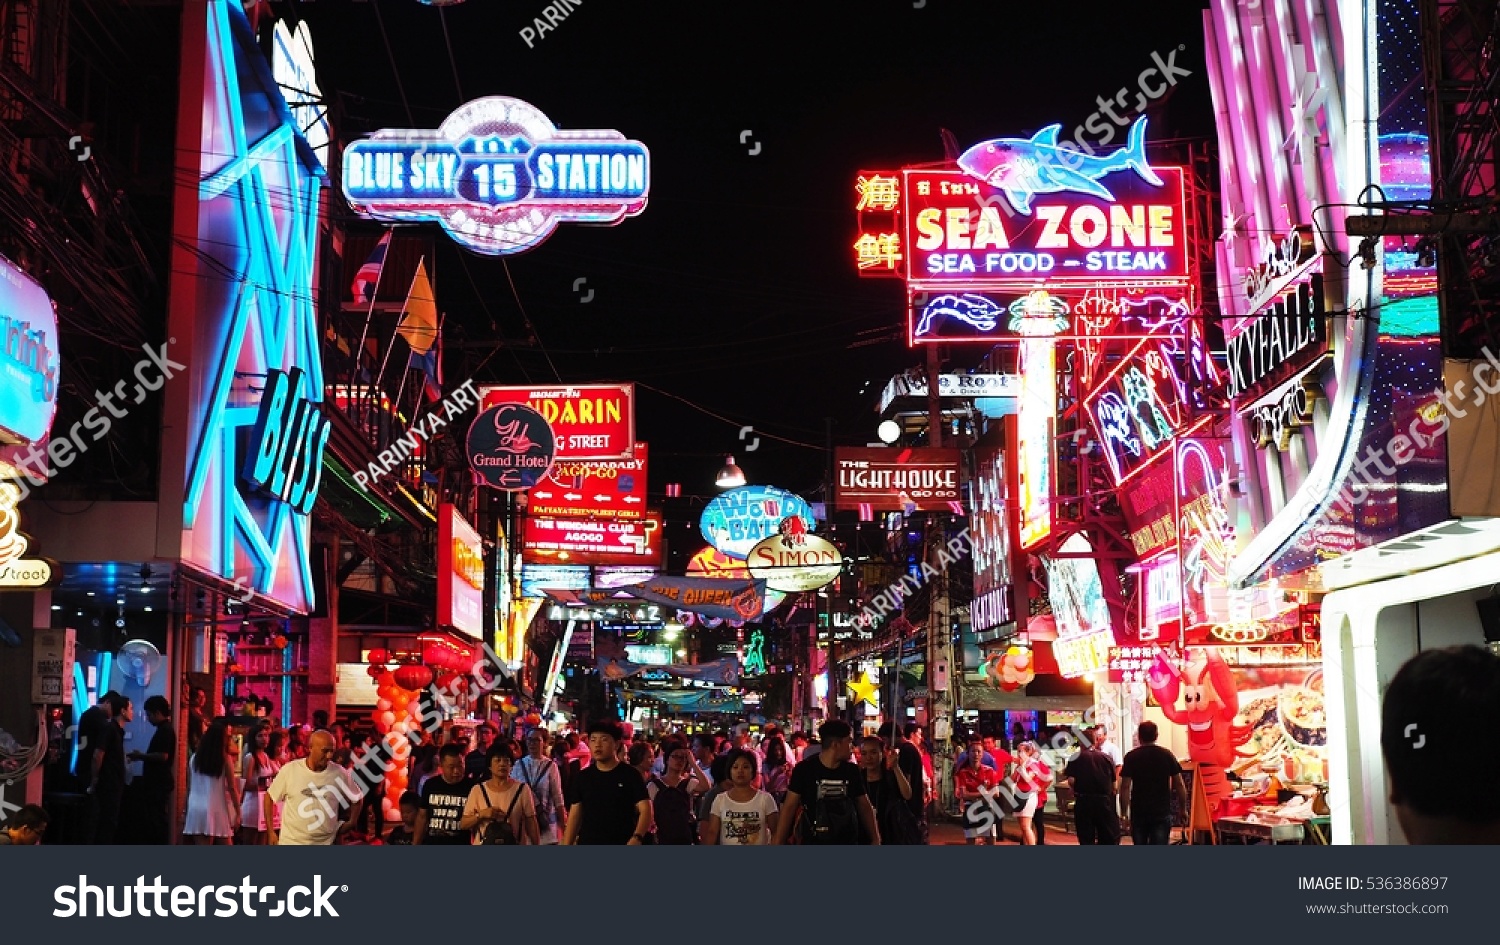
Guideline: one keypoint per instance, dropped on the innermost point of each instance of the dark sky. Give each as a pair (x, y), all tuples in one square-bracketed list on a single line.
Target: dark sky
[(736, 287)]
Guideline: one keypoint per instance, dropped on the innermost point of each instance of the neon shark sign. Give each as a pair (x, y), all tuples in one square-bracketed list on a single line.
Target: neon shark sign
[(1025, 167)]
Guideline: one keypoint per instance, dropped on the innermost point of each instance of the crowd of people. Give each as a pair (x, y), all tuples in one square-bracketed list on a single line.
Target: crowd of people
[(322, 783)]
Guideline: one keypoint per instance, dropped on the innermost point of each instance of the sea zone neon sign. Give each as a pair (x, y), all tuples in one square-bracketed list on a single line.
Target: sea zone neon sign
[(498, 176)]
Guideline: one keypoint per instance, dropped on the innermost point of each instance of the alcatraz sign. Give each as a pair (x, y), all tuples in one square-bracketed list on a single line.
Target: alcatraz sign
[(498, 176)]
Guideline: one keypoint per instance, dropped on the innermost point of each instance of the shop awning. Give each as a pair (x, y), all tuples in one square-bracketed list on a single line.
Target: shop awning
[(990, 699)]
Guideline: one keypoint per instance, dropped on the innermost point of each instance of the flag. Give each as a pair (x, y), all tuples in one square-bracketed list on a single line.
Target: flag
[(369, 274), (419, 324), (431, 366)]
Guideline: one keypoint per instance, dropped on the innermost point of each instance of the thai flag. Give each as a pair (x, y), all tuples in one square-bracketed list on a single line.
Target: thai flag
[(369, 274), (431, 366)]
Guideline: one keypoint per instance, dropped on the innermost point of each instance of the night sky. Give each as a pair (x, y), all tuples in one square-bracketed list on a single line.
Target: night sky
[(736, 287)]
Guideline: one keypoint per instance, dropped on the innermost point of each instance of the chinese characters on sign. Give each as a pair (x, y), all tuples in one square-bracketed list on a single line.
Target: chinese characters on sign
[(877, 250)]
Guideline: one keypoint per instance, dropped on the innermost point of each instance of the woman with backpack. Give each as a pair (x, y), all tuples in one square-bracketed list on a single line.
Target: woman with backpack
[(543, 776), (743, 815), (501, 810), (673, 796)]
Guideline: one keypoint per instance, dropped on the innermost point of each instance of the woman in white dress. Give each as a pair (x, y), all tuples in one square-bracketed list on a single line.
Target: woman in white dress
[(213, 806), (257, 769)]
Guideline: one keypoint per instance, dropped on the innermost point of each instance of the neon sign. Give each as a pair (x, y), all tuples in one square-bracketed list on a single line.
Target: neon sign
[(510, 447), (877, 251), (286, 460), (16, 571), (294, 69), (1284, 261), (497, 175), (1140, 407), (1035, 421), (1272, 425), (736, 521), (1279, 343), (460, 602), (1025, 167), (955, 232), (591, 421), (28, 380), (1090, 315), (253, 198)]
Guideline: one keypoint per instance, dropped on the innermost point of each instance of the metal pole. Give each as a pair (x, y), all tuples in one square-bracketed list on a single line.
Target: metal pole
[(934, 399)]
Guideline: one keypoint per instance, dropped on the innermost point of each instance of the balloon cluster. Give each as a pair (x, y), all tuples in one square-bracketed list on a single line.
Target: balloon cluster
[(1011, 670), (397, 712)]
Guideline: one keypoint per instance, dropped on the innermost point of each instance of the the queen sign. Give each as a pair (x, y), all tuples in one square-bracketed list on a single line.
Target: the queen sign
[(498, 176)]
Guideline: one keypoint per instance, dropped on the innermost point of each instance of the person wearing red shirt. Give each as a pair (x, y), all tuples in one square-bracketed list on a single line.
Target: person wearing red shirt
[(1033, 777), (975, 784)]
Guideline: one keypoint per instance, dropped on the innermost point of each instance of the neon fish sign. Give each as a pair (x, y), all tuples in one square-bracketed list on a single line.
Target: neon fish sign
[(497, 175)]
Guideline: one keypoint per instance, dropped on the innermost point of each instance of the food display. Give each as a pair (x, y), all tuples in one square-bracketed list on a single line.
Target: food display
[(1282, 714)]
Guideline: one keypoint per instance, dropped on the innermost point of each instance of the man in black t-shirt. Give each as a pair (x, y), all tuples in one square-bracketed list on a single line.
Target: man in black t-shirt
[(1148, 777), (607, 801), (831, 793), (909, 758), (1091, 775), (157, 773), (443, 799)]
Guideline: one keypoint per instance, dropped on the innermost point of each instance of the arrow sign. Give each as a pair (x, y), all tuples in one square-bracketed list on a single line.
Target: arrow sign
[(637, 543), (541, 495), (631, 498), (572, 496), (603, 498)]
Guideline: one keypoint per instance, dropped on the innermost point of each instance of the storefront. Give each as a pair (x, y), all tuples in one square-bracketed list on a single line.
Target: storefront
[(1345, 413)]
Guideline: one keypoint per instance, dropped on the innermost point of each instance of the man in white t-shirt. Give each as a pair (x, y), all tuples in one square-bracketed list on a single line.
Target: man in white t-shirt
[(312, 791), (1101, 738)]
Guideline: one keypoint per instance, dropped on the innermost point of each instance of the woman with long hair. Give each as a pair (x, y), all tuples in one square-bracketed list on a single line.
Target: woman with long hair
[(501, 809), (776, 770), (1033, 777), (888, 789), (213, 803), (257, 769)]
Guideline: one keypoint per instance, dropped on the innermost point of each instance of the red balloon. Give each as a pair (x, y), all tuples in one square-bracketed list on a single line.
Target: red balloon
[(376, 671), (377, 657), (413, 677)]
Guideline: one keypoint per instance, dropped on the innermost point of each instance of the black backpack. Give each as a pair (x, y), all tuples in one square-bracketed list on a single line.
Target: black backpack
[(500, 833), (830, 821), (673, 810)]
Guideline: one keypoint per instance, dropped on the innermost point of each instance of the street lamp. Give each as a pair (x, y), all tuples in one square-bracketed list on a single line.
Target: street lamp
[(731, 475), (889, 431)]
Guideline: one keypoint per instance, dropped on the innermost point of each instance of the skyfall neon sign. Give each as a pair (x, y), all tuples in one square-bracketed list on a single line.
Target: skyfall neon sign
[(497, 175)]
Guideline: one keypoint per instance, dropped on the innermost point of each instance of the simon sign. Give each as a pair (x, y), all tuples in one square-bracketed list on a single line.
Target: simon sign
[(498, 176), (795, 562)]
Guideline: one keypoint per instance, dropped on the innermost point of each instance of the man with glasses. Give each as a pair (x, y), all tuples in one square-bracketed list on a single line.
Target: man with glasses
[(540, 773), (25, 827)]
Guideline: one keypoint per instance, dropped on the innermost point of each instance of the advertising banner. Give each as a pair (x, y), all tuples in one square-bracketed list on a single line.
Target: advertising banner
[(593, 488), (893, 480), (804, 563), (711, 597), (725, 672), (28, 382), (581, 541), (589, 421), (460, 554)]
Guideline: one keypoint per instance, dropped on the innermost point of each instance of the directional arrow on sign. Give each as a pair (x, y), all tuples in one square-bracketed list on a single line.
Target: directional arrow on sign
[(631, 498), (637, 543), (541, 495), (572, 496), (602, 498)]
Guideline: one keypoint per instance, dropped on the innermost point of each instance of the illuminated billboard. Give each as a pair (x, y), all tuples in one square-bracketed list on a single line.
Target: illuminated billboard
[(957, 232), (460, 561), (28, 380), (990, 537), (896, 479), (497, 175), (877, 249), (582, 541), (589, 421), (1141, 406), (736, 521), (1035, 426), (593, 488), (1083, 314)]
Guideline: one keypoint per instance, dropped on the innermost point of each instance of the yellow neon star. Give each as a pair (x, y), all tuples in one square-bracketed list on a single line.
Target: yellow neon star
[(864, 689)]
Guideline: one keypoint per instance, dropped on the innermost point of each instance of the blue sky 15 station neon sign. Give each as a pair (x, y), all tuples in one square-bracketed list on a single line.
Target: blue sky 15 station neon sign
[(498, 176)]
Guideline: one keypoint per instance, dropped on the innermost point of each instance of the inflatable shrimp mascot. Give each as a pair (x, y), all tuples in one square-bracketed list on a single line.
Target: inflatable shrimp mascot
[(1209, 704)]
